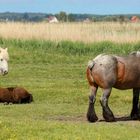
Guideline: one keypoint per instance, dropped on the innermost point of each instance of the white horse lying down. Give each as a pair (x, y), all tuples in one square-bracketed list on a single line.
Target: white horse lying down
[(4, 57)]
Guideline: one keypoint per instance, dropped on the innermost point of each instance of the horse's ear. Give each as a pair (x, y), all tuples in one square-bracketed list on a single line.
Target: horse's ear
[(6, 49), (1, 49)]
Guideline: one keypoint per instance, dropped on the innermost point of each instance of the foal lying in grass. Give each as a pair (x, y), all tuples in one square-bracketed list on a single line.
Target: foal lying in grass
[(17, 95)]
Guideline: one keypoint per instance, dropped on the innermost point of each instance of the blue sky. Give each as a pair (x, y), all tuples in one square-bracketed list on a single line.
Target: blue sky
[(72, 6)]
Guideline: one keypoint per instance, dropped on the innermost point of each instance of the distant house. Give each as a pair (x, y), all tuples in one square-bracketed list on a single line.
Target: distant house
[(52, 19), (135, 19), (87, 20)]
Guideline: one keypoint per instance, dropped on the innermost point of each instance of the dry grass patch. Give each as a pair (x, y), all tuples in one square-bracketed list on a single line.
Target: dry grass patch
[(86, 32)]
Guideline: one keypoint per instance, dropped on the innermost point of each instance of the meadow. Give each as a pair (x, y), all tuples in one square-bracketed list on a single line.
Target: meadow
[(53, 71)]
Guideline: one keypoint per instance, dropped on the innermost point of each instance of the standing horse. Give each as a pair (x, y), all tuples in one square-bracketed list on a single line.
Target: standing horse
[(108, 71), (4, 57)]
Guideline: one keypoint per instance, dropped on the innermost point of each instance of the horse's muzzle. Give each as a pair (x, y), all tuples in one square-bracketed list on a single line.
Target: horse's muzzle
[(5, 72)]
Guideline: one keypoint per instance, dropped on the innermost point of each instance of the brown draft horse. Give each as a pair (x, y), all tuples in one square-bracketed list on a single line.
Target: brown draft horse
[(15, 95), (108, 71)]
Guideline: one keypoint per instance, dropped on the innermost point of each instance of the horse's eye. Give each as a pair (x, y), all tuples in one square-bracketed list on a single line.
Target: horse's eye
[(1, 59)]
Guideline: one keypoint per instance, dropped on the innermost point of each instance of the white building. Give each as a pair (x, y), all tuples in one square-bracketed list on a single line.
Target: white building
[(52, 19)]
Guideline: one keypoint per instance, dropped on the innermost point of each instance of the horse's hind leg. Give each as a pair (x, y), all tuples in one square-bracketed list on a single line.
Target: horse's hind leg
[(91, 115), (135, 111), (107, 113)]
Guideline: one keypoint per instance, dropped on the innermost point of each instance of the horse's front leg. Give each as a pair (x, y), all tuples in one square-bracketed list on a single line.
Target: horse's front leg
[(135, 110), (91, 115), (107, 113)]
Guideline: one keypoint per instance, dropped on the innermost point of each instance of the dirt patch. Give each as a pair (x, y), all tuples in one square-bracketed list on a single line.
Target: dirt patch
[(81, 118)]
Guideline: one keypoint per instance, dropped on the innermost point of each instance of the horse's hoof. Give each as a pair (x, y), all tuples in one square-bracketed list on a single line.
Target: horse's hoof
[(135, 117), (109, 117), (92, 117)]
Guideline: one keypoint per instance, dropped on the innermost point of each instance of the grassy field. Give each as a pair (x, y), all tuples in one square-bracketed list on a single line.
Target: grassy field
[(86, 32), (54, 72)]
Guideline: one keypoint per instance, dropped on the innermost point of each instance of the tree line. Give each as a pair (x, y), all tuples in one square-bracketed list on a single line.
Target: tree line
[(63, 17)]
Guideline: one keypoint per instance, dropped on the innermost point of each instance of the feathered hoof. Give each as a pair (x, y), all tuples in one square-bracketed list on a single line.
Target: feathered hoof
[(135, 116), (109, 117), (92, 117)]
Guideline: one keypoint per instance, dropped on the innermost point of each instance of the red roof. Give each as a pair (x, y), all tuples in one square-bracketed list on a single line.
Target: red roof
[(135, 19)]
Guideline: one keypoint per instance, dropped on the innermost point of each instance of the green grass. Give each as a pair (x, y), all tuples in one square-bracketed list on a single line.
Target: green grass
[(54, 72)]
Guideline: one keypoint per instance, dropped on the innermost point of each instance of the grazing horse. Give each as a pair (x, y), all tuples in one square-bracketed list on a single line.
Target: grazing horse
[(4, 57), (15, 95), (108, 71)]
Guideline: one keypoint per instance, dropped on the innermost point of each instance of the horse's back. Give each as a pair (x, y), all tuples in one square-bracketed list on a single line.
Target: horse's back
[(116, 71), (104, 71), (5, 95), (22, 95)]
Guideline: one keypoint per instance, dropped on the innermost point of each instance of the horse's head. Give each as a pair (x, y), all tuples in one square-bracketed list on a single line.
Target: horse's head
[(4, 57)]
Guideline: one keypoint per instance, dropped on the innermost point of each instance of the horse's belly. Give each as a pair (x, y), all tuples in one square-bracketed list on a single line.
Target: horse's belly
[(128, 76), (127, 84)]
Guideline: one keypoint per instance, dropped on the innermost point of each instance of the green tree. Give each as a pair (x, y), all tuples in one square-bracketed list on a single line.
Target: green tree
[(62, 16), (121, 18), (71, 18), (25, 16)]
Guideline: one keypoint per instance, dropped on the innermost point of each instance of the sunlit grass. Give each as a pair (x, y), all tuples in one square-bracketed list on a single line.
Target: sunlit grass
[(54, 72), (85, 32)]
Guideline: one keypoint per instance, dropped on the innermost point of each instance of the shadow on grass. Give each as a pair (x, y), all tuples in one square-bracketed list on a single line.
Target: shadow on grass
[(120, 119), (124, 118), (82, 118)]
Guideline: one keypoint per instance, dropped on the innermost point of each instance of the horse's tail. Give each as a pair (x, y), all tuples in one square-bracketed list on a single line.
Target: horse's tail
[(89, 70)]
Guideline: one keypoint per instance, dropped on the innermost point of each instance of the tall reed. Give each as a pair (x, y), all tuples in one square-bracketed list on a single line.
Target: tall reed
[(85, 32)]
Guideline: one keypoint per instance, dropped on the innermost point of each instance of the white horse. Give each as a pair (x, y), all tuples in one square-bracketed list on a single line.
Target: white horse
[(4, 57)]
